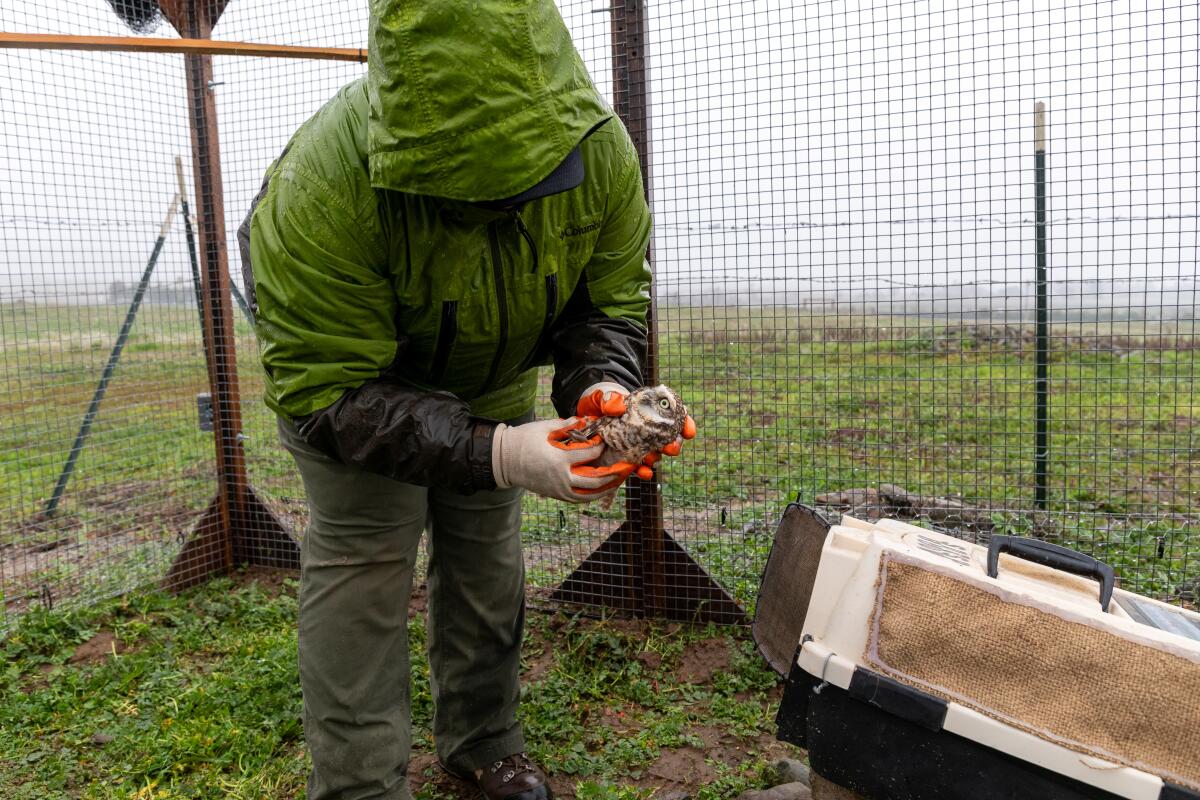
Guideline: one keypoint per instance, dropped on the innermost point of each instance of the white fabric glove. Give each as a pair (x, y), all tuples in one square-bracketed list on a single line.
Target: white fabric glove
[(525, 456)]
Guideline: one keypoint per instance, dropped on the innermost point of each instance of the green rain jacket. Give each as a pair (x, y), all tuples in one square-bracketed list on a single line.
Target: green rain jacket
[(397, 317)]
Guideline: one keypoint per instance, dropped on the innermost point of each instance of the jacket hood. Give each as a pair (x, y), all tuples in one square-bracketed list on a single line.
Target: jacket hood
[(473, 99)]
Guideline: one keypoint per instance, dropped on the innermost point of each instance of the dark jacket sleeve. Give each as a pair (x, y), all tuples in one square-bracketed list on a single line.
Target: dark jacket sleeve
[(589, 347), (601, 333), (423, 438)]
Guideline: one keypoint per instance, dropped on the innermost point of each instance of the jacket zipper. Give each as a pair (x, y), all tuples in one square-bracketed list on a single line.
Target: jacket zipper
[(502, 303), (551, 295), (445, 341), (528, 237), (547, 319)]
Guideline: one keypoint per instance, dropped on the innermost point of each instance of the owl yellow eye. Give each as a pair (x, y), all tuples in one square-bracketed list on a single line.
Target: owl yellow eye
[(664, 403)]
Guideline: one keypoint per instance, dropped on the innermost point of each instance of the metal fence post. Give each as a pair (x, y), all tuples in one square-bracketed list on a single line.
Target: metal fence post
[(115, 356), (1042, 378), (633, 568), (221, 539)]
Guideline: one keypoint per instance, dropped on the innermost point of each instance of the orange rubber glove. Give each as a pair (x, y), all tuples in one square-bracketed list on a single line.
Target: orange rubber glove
[(604, 399), (645, 470), (584, 475)]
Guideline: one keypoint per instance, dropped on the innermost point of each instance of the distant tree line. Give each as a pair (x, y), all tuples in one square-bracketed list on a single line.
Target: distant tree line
[(177, 294)]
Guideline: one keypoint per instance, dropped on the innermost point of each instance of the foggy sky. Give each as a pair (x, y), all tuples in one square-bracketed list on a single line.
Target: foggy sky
[(850, 143)]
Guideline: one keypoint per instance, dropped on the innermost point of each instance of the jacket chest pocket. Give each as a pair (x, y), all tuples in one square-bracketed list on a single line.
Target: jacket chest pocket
[(539, 302), (459, 348)]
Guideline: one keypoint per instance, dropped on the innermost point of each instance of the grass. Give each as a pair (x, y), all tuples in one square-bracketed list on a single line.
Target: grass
[(796, 406), (195, 696)]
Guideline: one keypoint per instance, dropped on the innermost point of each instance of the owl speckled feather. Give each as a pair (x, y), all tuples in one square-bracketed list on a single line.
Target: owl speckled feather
[(654, 418)]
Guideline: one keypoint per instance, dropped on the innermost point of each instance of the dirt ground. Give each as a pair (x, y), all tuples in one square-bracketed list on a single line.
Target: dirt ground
[(677, 771)]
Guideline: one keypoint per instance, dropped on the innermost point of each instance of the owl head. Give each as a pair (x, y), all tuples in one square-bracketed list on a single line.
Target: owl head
[(660, 406)]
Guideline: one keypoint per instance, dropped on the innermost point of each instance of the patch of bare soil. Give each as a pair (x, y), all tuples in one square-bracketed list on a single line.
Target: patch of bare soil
[(419, 602), (272, 582), (44, 560), (701, 660), (98, 648), (540, 662), (682, 767)]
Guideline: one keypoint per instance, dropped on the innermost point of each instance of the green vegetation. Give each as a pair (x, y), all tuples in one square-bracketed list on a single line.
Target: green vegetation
[(797, 406), (195, 696)]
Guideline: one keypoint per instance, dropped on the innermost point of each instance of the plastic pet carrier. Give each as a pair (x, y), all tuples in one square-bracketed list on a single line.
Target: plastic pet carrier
[(930, 667)]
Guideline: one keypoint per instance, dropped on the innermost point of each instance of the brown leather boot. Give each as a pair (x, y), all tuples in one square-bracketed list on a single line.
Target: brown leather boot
[(513, 777)]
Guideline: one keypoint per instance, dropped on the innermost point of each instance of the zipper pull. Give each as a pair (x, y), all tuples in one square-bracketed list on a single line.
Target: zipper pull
[(528, 237)]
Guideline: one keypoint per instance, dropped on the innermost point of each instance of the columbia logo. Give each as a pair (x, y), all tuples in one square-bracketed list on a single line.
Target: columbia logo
[(578, 230)]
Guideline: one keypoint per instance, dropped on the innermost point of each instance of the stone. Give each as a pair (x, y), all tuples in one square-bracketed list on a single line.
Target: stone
[(789, 770), (784, 791)]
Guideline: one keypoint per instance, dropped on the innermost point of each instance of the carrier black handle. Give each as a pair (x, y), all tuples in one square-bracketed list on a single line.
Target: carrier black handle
[(1055, 556)]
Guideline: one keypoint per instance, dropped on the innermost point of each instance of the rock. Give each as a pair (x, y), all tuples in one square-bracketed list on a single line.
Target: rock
[(828, 790), (101, 738), (897, 496), (850, 498), (784, 791), (676, 796), (789, 770)]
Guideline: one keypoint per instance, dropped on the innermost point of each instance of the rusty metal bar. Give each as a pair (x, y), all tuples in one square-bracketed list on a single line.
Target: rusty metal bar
[(237, 527), (643, 500), (633, 568), (138, 44)]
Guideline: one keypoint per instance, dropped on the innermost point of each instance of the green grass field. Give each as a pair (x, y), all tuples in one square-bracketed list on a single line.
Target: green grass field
[(195, 696), (789, 405)]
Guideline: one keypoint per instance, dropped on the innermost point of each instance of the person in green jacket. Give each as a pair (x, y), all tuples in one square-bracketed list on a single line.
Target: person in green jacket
[(469, 210)]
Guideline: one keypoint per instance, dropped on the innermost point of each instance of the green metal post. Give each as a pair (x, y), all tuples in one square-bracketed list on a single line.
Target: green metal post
[(1042, 380), (113, 357)]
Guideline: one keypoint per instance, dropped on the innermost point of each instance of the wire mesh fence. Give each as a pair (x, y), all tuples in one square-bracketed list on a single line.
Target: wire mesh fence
[(846, 215), (846, 256), (104, 468)]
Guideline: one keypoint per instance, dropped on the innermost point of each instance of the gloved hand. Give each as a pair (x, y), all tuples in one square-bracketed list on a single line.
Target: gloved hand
[(604, 399), (538, 457), (645, 470), (607, 399)]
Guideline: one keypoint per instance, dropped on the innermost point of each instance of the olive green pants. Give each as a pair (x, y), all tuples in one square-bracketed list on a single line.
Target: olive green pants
[(357, 561)]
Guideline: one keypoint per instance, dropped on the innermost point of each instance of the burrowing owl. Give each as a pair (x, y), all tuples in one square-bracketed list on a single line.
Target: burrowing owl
[(653, 418)]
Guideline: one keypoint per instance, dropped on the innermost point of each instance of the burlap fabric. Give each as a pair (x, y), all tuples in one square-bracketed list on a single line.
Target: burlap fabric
[(1072, 683)]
